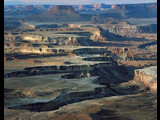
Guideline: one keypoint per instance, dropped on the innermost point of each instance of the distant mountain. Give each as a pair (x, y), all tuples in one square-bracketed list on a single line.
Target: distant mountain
[(44, 7), (95, 12), (41, 7), (13, 7), (133, 11), (30, 8), (96, 6), (25, 11), (92, 8)]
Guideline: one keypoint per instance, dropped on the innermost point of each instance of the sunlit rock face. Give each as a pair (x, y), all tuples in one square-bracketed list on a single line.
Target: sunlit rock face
[(123, 54), (148, 76), (27, 26)]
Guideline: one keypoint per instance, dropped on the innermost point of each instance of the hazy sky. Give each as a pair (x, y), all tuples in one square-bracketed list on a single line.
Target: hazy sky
[(71, 2)]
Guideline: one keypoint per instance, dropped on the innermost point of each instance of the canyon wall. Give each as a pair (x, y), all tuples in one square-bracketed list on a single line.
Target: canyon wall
[(148, 76), (83, 70)]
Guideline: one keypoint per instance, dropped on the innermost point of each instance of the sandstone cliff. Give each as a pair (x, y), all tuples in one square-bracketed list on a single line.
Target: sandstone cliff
[(123, 54), (148, 76)]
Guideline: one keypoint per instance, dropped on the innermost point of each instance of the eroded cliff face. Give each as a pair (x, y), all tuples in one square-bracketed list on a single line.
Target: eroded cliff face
[(123, 30), (148, 76), (27, 26), (40, 39), (67, 98), (122, 54), (25, 49), (29, 51), (130, 30), (61, 13)]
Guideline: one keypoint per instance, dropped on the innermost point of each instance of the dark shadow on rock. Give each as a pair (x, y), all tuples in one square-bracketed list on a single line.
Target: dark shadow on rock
[(7, 90), (107, 115), (28, 56), (113, 37), (89, 42)]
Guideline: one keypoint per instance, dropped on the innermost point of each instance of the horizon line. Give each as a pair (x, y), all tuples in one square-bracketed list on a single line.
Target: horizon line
[(81, 4)]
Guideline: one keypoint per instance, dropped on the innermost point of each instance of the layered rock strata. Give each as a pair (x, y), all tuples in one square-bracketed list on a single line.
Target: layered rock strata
[(61, 13), (68, 98), (148, 76)]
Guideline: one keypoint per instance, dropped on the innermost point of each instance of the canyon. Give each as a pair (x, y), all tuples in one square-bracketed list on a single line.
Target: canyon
[(63, 64)]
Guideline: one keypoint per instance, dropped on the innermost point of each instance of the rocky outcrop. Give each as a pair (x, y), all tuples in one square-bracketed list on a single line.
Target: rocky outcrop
[(33, 38), (27, 26), (30, 50), (39, 39), (61, 13), (60, 9), (122, 54), (123, 30), (148, 76), (130, 30)]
